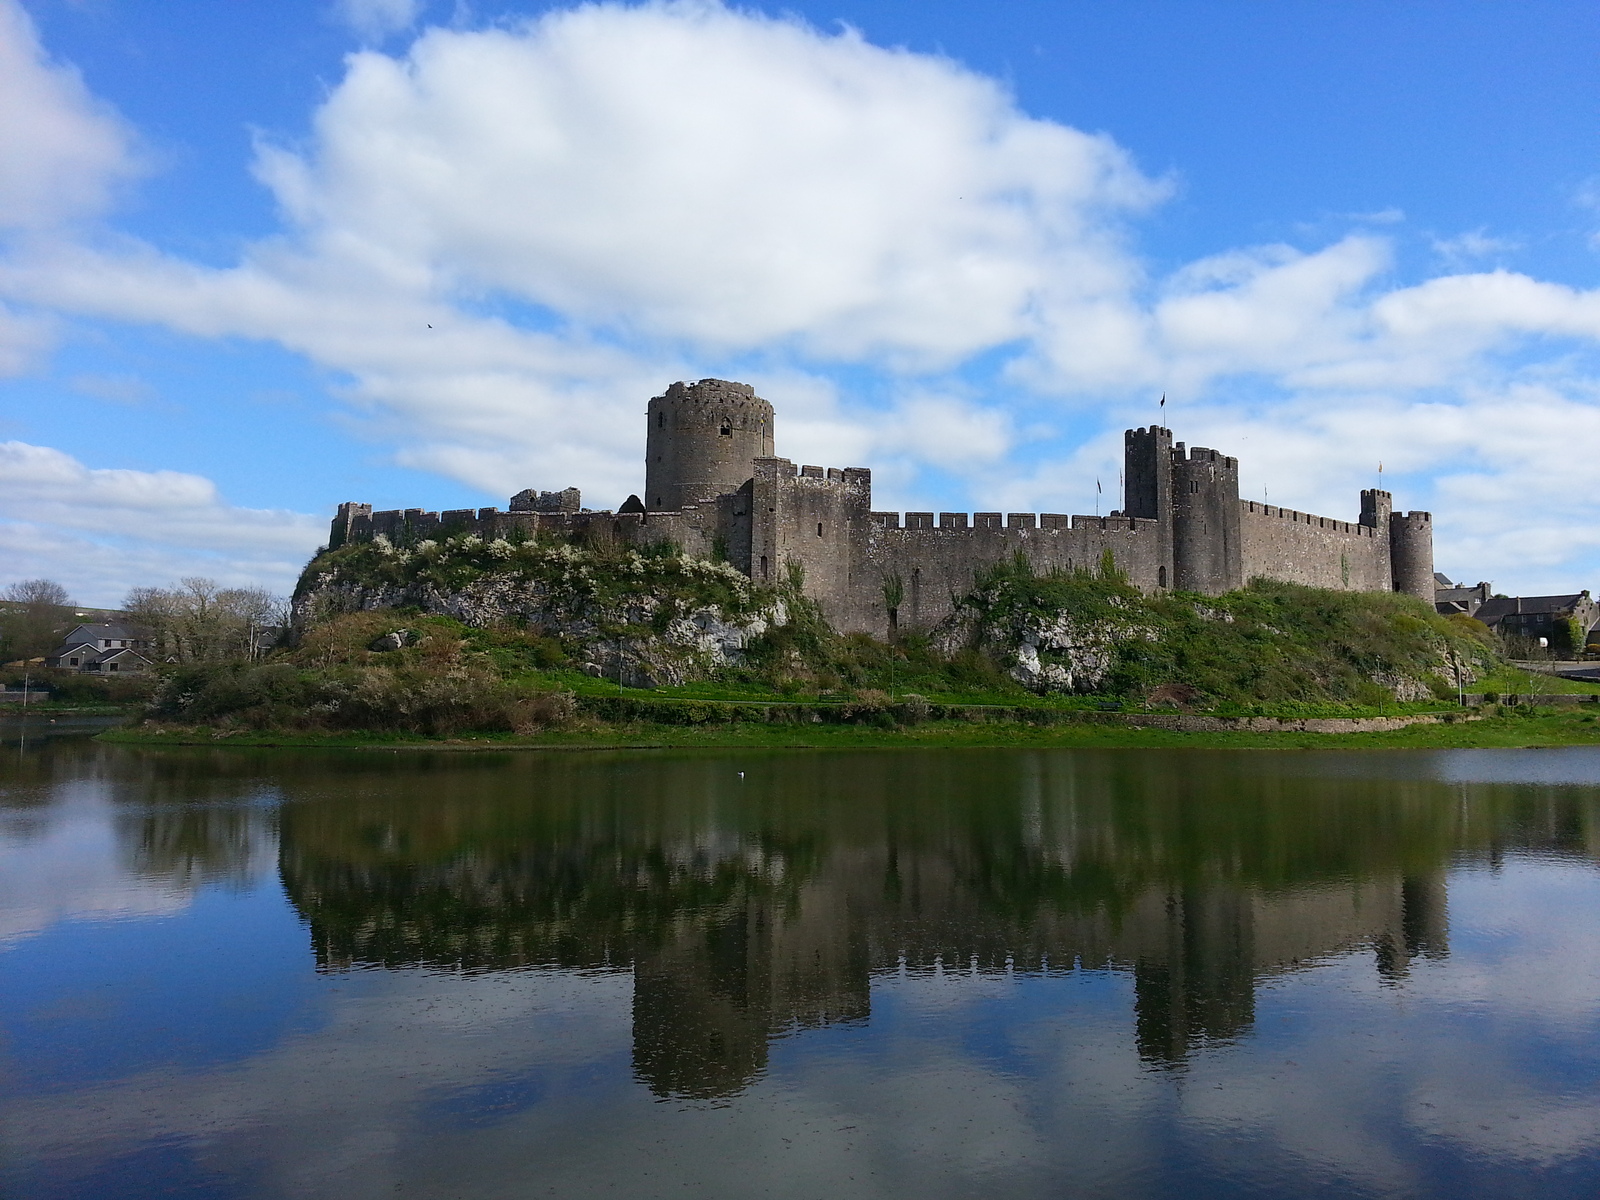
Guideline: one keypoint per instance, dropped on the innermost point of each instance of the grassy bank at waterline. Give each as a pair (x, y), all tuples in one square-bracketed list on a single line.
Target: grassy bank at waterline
[(1490, 727)]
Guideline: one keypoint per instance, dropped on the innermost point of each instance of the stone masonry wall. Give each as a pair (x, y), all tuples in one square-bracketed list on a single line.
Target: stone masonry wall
[(1411, 554), (938, 563), (815, 518), (1296, 547), (696, 529)]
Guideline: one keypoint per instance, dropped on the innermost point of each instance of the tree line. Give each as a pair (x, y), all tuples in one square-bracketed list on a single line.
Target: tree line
[(193, 620)]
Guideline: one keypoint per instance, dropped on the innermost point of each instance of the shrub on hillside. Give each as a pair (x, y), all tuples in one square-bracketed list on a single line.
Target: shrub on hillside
[(412, 697)]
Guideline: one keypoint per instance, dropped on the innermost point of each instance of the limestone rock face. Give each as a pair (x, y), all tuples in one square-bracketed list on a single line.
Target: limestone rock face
[(630, 638), (1057, 653), (1405, 688)]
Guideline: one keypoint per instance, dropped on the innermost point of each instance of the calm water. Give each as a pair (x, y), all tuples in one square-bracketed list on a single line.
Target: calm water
[(971, 973)]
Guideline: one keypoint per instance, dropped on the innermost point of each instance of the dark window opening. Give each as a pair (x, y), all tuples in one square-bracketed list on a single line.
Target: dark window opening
[(1161, 577), (819, 528), (763, 566), (727, 429), (113, 666), (661, 420), (73, 663)]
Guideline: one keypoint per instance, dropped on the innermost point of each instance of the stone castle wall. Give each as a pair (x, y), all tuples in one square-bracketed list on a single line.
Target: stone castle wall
[(696, 529), (1296, 547), (938, 563), (714, 488)]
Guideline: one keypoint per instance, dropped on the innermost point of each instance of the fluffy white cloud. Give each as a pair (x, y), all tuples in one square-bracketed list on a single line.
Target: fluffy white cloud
[(711, 175), (62, 158), (378, 18), (101, 531), (1472, 246)]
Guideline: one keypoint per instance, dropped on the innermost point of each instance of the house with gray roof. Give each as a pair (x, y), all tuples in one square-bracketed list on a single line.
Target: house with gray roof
[(108, 648), (1458, 597), (1535, 617)]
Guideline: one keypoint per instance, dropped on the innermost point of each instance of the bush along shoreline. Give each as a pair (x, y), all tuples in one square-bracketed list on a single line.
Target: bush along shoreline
[(551, 641)]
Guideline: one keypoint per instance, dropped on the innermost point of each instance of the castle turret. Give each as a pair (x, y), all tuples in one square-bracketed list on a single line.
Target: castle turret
[(1411, 554), (1147, 488), (1207, 551), (349, 524), (1376, 506), (703, 441)]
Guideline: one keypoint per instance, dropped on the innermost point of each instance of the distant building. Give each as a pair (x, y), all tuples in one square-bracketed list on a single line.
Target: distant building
[(1537, 616), (1458, 597), (107, 648)]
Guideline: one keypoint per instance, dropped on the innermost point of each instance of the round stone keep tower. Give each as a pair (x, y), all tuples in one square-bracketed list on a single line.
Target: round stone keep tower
[(1411, 554), (1207, 550), (704, 439)]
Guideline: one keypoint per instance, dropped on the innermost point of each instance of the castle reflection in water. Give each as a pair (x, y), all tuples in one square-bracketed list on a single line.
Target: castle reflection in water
[(750, 906)]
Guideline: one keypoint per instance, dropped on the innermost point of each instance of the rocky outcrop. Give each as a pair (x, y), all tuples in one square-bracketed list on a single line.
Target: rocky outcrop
[(1056, 653), (640, 640)]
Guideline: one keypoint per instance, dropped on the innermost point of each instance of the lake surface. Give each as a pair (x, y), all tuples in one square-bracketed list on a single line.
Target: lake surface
[(924, 974)]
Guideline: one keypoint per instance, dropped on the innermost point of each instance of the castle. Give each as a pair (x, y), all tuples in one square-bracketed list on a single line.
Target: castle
[(714, 486)]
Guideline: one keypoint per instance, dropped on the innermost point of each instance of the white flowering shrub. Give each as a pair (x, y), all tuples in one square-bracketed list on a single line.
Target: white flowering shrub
[(655, 587)]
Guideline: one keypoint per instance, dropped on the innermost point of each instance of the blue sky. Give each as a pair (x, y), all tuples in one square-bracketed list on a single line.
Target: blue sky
[(255, 260)]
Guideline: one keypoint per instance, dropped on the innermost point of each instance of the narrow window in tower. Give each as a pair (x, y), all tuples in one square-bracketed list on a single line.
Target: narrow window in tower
[(661, 420), (819, 528), (1161, 577), (727, 429), (763, 566)]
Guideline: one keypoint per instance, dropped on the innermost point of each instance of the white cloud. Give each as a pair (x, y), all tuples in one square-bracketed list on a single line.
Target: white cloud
[(23, 340), (1464, 249), (102, 531), (946, 431), (716, 176), (376, 19), (62, 158), (114, 389), (1271, 310), (64, 863)]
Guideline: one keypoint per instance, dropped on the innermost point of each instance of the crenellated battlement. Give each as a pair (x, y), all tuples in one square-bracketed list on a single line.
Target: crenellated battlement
[(714, 391), (1198, 455), (981, 523), (771, 467), (1332, 524)]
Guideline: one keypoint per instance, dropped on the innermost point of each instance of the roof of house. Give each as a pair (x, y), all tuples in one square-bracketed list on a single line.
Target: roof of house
[(110, 630), (87, 654), (1499, 607), (123, 652), (1441, 580)]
